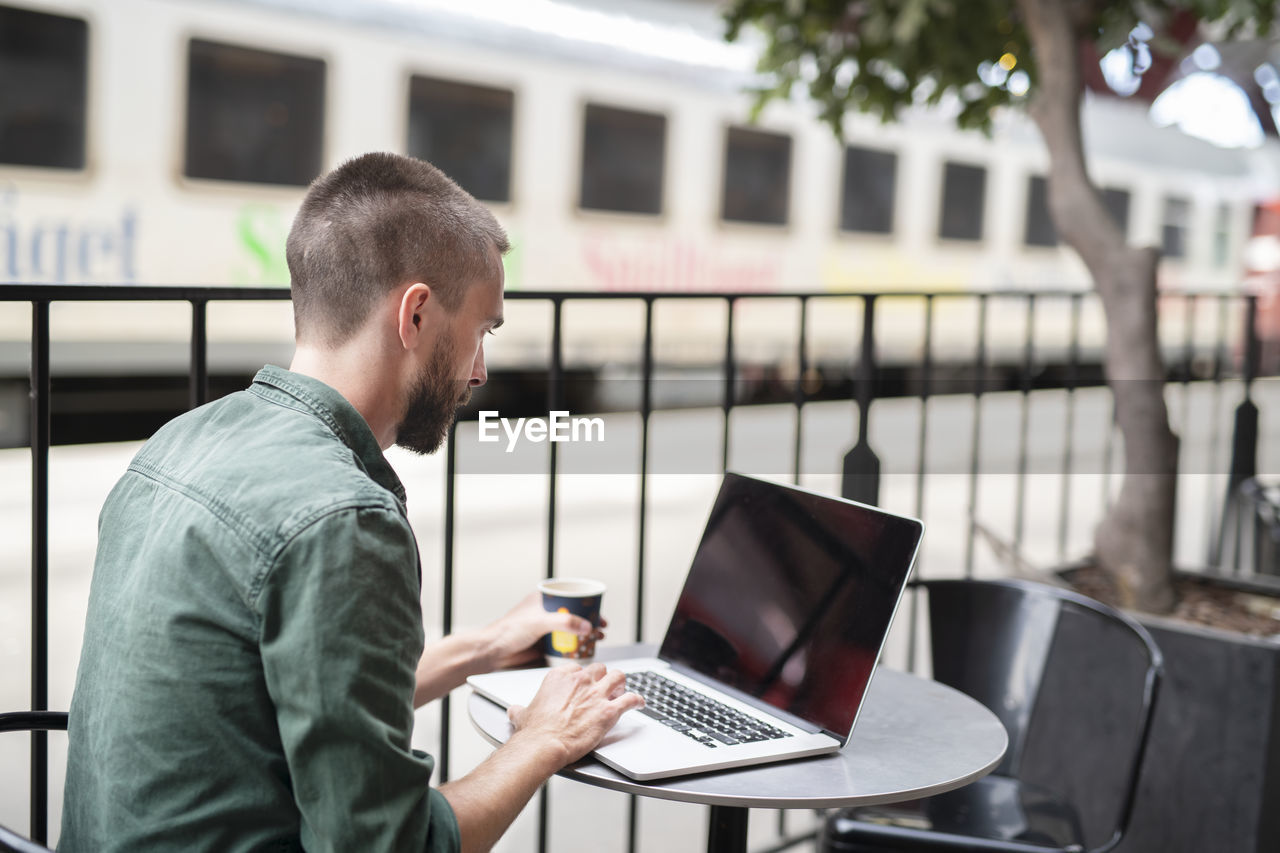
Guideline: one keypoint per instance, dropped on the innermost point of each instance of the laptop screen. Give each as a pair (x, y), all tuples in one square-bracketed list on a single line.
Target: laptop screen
[(790, 596)]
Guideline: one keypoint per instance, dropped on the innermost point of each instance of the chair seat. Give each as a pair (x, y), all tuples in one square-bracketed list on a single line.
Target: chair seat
[(995, 813)]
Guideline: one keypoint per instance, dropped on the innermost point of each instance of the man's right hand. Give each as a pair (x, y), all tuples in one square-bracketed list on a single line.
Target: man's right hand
[(575, 708), (571, 713)]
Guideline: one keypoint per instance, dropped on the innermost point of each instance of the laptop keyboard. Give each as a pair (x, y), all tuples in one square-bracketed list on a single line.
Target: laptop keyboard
[(707, 721)]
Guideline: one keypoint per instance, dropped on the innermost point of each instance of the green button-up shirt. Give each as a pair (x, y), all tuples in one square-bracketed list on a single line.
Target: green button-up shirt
[(247, 675)]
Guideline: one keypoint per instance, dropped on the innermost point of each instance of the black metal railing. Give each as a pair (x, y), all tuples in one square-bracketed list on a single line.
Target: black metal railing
[(864, 375)]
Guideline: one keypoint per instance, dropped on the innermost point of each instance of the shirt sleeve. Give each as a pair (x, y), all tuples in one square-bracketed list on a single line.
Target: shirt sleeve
[(340, 641)]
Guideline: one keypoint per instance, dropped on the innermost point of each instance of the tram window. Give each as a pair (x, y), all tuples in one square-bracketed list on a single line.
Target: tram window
[(253, 115), (757, 176), (1173, 228), (964, 190), (1039, 228), (870, 181), (1117, 203), (622, 160), (464, 130), (42, 119)]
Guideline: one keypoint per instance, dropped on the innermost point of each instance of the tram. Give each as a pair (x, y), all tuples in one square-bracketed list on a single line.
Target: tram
[(170, 142)]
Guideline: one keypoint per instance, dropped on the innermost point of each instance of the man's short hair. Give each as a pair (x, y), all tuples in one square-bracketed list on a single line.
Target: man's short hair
[(377, 222)]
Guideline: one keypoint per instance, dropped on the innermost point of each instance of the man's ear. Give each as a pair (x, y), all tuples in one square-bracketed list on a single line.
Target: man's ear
[(411, 315)]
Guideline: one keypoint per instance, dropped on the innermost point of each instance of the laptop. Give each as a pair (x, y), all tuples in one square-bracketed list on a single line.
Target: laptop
[(774, 638)]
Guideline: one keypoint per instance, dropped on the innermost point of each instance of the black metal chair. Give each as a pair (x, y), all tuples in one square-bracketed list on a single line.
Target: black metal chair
[(28, 721), (1075, 684)]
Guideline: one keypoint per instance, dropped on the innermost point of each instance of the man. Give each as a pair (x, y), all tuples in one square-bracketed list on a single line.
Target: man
[(253, 650)]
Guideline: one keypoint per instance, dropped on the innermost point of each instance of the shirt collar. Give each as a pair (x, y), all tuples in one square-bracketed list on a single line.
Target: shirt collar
[(337, 414)]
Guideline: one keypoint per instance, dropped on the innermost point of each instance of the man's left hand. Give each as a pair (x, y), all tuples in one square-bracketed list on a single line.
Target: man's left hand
[(515, 639)]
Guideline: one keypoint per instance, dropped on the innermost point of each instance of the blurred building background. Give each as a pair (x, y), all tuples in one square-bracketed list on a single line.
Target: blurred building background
[(169, 142)]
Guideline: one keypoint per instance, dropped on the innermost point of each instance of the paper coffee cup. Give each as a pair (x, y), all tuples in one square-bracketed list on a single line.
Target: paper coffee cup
[(581, 597)]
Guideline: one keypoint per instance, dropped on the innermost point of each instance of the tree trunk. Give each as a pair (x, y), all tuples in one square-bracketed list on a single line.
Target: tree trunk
[(1134, 542)]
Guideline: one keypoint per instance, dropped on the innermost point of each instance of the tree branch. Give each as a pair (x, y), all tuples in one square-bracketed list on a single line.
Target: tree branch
[(1083, 13), (1078, 210)]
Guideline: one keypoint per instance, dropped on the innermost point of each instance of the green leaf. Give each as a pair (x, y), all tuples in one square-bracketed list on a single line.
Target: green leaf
[(902, 52), (912, 18), (1114, 27)]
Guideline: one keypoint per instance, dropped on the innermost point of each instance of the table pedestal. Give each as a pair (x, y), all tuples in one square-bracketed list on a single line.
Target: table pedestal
[(728, 829)]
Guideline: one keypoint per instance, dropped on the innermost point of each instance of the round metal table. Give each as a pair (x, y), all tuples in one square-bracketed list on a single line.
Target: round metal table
[(914, 738)]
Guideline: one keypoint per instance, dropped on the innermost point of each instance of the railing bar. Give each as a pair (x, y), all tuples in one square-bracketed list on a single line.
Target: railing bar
[(185, 293), (446, 610), (1068, 448), (1252, 346), (1189, 335), (544, 816), (1244, 439), (1220, 342), (1192, 308), (1108, 450), (554, 392), (198, 381), (1188, 356), (729, 377), (41, 389), (633, 822), (866, 369), (1215, 430), (1219, 364), (1024, 425), (136, 293), (1049, 292), (798, 394), (554, 396), (979, 377), (926, 383), (646, 409), (922, 449), (860, 476)]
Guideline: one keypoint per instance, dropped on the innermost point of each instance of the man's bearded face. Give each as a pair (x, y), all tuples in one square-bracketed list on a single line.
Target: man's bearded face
[(434, 402)]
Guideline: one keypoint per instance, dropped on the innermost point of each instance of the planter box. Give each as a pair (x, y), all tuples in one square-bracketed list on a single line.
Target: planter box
[(1211, 781)]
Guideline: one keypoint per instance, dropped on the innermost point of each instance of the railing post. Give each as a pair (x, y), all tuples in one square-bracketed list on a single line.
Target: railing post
[(446, 593), (861, 478), (198, 381), (975, 445), (798, 393), (730, 377), (646, 410), (727, 829), (1244, 443), (40, 441), (1073, 366), (555, 401), (1024, 423), (922, 437)]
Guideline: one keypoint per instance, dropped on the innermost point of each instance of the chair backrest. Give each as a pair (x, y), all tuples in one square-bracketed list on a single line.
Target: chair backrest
[(20, 721), (1074, 682)]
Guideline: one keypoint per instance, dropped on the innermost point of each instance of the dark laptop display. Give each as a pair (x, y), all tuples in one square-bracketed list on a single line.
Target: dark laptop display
[(773, 642), (784, 578)]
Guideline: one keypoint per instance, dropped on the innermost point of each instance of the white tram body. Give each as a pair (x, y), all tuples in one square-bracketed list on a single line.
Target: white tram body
[(133, 213)]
